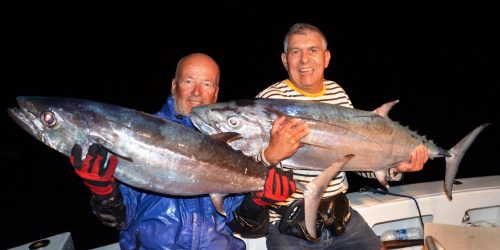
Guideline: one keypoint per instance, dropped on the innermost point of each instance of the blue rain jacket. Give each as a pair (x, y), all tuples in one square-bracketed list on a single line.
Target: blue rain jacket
[(155, 221)]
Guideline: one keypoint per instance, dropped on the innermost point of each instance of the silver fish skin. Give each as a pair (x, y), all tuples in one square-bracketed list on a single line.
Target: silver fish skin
[(377, 142), (157, 155)]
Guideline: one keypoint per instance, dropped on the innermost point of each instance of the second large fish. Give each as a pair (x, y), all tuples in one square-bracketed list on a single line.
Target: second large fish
[(377, 142)]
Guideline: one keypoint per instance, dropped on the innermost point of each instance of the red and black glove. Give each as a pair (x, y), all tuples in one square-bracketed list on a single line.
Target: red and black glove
[(278, 187), (96, 169)]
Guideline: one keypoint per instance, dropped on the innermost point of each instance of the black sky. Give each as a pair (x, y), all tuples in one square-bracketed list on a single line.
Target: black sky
[(440, 61)]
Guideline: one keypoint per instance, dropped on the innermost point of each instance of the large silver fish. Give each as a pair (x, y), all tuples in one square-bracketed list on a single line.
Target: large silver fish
[(157, 155), (377, 142)]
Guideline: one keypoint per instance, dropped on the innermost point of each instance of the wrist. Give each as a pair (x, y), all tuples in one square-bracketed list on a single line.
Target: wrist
[(260, 202), (100, 188), (266, 159), (110, 199), (257, 201)]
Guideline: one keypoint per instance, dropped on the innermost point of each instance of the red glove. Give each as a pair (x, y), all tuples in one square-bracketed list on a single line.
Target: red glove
[(96, 169), (278, 187)]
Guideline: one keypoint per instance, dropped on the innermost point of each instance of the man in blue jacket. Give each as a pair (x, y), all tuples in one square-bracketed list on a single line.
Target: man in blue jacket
[(155, 221)]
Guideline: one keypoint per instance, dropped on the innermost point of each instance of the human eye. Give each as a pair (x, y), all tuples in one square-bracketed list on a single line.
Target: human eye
[(314, 50), (295, 52), (187, 82), (208, 85)]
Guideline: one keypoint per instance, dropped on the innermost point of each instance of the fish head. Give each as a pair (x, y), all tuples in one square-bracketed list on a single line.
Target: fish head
[(51, 121), (251, 121)]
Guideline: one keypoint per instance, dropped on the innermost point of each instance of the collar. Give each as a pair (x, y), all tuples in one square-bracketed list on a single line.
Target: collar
[(304, 93)]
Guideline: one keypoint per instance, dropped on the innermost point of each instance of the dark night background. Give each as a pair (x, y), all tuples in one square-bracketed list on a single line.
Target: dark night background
[(440, 61)]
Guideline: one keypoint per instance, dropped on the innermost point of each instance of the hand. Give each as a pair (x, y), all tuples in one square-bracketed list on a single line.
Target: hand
[(96, 169), (419, 157), (285, 139), (278, 187)]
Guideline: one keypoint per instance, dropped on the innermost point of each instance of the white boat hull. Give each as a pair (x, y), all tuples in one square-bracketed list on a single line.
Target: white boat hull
[(479, 197), (476, 199)]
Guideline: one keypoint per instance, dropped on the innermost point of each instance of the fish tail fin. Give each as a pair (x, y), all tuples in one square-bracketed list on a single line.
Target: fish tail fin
[(457, 153), (314, 191)]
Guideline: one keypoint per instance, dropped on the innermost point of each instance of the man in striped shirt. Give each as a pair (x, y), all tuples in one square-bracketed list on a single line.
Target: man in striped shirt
[(305, 57)]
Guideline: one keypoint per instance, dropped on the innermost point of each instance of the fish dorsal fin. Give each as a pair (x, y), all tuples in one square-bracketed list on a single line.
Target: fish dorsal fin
[(385, 108), (226, 137)]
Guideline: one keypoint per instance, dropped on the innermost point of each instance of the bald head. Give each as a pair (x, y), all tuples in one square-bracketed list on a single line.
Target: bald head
[(196, 82), (197, 60)]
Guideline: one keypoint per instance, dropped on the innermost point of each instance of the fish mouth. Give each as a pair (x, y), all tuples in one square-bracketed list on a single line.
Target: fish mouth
[(201, 124), (26, 119)]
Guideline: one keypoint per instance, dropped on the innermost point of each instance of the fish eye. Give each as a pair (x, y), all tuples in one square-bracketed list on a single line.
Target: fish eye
[(233, 121), (49, 119)]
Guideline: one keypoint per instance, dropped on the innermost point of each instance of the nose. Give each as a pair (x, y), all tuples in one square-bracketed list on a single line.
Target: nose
[(197, 90), (304, 57)]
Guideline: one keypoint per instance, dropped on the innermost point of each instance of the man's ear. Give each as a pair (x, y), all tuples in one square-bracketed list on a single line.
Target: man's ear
[(173, 86), (328, 56), (216, 93), (284, 60)]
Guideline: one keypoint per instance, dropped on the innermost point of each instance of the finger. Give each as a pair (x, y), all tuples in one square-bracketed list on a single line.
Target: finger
[(420, 157), (93, 149), (287, 178), (277, 124), (287, 188), (270, 178), (290, 124), (293, 187), (416, 161), (426, 154), (76, 156), (302, 133), (102, 161), (111, 167), (93, 159)]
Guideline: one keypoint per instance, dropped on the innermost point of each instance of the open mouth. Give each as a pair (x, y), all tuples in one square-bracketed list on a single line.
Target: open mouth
[(201, 125), (25, 119)]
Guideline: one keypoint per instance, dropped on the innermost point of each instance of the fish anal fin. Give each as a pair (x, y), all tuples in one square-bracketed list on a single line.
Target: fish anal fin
[(314, 191), (218, 202), (385, 108)]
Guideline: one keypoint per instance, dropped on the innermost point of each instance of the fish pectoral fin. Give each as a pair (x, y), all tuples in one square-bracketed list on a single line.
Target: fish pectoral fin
[(114, 151), (381, 175), (226, 137), (385, 108), (218, 202), (314, 191)]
